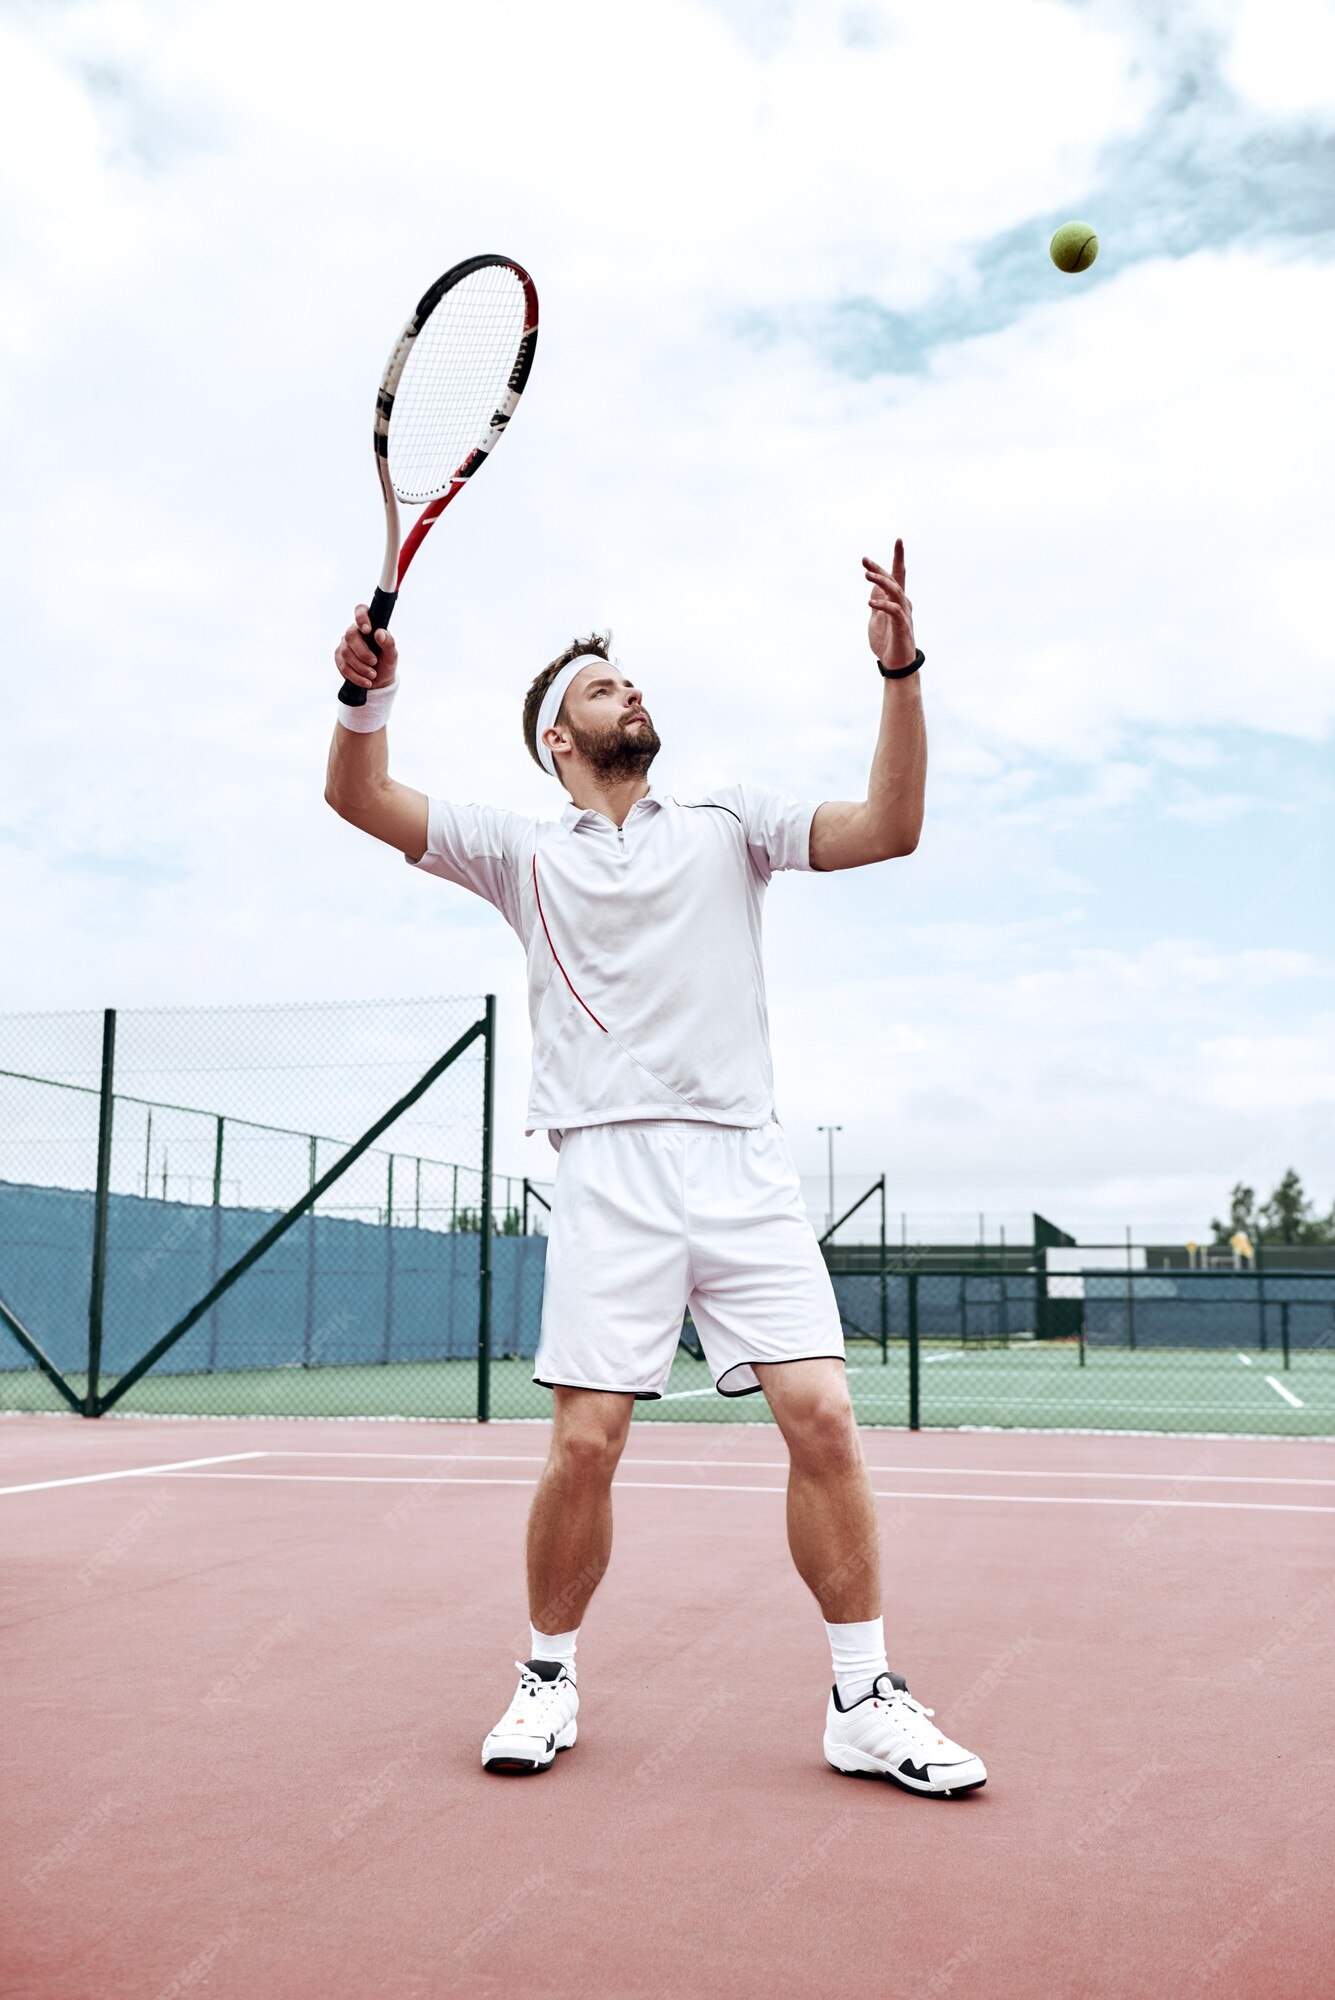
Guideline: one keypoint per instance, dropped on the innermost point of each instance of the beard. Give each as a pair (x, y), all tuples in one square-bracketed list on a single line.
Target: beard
[(626, 750)]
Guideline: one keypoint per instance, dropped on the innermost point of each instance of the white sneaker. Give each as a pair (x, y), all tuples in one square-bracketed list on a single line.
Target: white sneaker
[(539, 1721), (889, 1735)]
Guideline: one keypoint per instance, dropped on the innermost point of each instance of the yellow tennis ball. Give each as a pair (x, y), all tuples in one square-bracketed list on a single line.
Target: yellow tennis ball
[(1074, 247)]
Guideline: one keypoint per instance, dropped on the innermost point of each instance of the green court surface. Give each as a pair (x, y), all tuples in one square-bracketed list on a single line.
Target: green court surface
[(1025, 1386)]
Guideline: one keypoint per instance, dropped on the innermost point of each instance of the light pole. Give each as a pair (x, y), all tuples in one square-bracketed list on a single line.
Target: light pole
[(829, 1131)]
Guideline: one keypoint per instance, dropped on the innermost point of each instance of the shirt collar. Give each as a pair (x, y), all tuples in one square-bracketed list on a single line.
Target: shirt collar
[(579, 815)]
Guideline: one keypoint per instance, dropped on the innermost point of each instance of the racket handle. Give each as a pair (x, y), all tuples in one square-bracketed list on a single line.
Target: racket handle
[(382, 603)]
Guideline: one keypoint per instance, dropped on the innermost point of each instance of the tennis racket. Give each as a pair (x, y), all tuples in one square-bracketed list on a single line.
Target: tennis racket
[(449, 390)]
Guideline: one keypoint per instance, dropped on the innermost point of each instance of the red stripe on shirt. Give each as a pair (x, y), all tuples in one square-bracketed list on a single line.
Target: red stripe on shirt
[(555, 954)]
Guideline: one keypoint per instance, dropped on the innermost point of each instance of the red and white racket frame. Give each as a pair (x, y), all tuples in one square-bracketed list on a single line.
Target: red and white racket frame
[(399, 553)]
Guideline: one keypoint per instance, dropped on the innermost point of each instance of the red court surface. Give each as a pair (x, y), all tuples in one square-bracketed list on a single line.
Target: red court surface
[(244, 1702)]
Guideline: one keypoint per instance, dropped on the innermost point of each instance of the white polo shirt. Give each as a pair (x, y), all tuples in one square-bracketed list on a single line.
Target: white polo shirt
[(646, 991)]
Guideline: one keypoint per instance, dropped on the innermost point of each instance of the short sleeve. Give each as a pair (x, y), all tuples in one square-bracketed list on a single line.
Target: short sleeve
[(478, 848), (777, 827)]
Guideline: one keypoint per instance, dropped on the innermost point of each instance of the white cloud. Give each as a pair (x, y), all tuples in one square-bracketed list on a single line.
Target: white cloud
[(1282, 56), (1116, 506)]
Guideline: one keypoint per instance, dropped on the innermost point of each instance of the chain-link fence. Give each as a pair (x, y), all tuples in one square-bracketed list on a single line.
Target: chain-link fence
[(234, 1212), (294, 1212), (1024, 1326)]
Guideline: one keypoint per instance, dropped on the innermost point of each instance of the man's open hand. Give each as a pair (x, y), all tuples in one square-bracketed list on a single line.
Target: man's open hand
[(355, 660), (890, 627)]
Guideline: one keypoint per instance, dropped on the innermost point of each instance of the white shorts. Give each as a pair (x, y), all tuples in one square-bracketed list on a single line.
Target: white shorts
[(651, 1216)]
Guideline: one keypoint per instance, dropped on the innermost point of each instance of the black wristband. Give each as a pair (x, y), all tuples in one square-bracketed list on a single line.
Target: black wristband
[(902, 673)]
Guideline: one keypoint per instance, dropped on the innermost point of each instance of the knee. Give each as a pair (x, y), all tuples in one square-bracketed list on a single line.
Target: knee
[(822, 1432), (586, 1454)]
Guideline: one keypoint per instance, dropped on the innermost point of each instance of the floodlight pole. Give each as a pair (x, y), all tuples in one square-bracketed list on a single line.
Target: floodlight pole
[(829, 1131)]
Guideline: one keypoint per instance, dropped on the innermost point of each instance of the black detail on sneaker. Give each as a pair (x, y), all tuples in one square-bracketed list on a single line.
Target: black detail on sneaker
[(876, 1691), (546, 1670)]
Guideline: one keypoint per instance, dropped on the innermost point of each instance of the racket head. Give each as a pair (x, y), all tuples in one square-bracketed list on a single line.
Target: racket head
[(455, 377)]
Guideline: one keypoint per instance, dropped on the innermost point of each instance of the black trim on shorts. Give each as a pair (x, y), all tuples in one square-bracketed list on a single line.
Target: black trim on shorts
[(640, 1395), (783, 1362)]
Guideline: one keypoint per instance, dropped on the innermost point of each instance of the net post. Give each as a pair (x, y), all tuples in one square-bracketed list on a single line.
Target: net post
[(1130, 1295), (884, 1302), (484, 1214), (1284, 1329), (914, 1356), (101, 1204)]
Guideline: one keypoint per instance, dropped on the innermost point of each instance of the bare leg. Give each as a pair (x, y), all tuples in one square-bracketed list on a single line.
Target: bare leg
[(832, 1529), (570, 1522)]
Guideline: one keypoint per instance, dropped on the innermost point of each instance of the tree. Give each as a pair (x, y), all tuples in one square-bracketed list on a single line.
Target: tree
[(1241, 1215), (1286, 1216)]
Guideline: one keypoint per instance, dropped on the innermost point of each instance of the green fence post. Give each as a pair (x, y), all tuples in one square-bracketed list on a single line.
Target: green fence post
[(484, 1217), (215, 1258), (914, 1358), (1284, 1328), (885, 1304), (101, 1203), (389, 1261), (308, 1331), (1260, 1293), (1003, 1304)]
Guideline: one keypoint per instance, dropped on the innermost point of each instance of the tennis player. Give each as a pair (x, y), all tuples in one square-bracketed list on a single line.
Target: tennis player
[(640, 916)]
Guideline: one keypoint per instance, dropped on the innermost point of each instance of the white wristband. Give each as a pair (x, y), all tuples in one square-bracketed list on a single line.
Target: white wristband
[(373, 713)]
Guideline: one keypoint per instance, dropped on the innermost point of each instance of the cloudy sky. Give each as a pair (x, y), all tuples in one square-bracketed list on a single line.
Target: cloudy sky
[(796, 300)]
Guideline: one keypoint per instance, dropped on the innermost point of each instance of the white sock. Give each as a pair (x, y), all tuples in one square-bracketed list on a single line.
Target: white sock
[(554, 1646), (858, 1653)]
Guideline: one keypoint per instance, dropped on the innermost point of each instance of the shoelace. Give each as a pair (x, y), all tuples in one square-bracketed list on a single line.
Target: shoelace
[(532, 1685), (916, 1722)]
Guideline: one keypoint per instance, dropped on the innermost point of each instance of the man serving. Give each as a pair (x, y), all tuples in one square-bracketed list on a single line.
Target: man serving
[(640, 916)]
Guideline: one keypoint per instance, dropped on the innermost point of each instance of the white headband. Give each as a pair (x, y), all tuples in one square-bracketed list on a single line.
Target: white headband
[(551, 703)]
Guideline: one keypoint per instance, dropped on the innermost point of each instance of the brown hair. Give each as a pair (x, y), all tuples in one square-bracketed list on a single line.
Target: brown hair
[(598, 643)]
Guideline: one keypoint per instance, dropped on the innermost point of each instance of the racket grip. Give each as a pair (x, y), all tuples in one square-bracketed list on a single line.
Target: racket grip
[(382, 604)]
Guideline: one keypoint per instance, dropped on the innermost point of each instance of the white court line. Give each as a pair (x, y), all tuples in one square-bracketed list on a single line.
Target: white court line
[(1246, 1360), (1287, 1394), (130, 1472), (689, 1486), (781, 1465)]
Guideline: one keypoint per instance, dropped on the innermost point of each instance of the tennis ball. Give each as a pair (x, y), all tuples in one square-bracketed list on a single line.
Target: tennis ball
[(1074, 247)]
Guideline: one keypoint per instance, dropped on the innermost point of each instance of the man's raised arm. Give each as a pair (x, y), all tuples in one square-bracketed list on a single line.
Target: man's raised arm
[(887, 823), (358, 785)]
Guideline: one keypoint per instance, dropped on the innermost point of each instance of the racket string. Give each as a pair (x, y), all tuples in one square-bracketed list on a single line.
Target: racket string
[(454, 381)]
